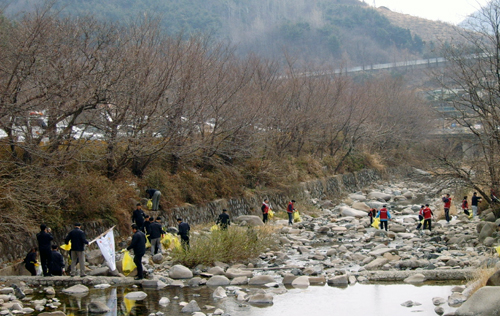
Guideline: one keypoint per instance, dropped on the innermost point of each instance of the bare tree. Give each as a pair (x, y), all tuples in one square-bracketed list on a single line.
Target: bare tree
[(472, 78)]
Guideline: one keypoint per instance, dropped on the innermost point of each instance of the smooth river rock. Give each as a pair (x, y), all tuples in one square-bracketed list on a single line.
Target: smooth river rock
[(180, 272)]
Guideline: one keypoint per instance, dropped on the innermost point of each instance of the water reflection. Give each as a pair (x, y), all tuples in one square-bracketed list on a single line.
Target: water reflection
[(360, 299)]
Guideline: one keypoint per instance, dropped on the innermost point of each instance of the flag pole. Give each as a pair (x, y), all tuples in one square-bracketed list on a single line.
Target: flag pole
[(101, 235)]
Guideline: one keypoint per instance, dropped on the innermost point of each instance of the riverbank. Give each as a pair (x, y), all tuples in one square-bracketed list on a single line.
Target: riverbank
[(334, 246)]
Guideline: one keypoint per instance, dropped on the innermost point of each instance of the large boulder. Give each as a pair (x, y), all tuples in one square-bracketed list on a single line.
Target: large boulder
[(360, 206), (301, 282), (376, 264), (339, 280), (397, 228), (234, 273), (357, 197), (180, 272), (94, 257), (251, 220), (349, 211), (494, 280), (487, 230), (378, 196), (104, 271), (415, 279), (218, 280)]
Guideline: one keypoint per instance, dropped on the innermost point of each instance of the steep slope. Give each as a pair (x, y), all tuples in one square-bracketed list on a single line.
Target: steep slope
[(428, 30)]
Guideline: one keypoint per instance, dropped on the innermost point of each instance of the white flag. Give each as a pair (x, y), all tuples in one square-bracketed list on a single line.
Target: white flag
[(107, 245)]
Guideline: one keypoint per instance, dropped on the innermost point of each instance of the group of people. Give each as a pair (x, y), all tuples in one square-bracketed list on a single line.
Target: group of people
[(383, 215), (147, 228), (266, 207), (51, 260), (425, 214)]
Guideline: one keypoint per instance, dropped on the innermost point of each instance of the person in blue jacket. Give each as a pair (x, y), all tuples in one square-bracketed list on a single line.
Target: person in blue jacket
[(384, 216)]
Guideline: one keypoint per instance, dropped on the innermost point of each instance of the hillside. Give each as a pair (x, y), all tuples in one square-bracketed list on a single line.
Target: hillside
[(311, 32), (430, 31)]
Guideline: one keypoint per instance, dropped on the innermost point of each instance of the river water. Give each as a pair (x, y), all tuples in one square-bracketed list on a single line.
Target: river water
[(359, 299)]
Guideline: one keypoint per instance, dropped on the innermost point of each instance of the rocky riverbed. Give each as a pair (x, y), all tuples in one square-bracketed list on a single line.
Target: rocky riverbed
[(334, 246)]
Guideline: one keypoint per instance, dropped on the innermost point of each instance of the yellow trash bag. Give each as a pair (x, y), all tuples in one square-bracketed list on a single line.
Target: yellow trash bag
[(148, 243), (170, 241), (498, 250), (422, 221), (176, 243), (296, 217), (376, 223), (270, 214), (66, 247), (214, 227), (149, 205), (128, 264)]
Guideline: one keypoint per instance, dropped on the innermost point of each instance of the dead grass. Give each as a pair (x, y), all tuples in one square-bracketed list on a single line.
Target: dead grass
[(237, 244)]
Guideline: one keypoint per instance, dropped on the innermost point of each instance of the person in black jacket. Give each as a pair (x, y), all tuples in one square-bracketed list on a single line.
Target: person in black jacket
[(30, 261), (223, 220), (156, 231), (184, 233), (147, 222), (44, 242), (138, 244), (138, 217), (57, 263), (78, 242)]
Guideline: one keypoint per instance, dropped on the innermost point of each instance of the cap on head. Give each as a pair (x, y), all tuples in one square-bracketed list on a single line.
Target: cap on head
[(422, 205), (158, 218), (384, 205), (224, 210), (77, 225), (426, 204), (138, 204), (54, 247), (179, 219), (42, 227), (135, 227), (293, 201)]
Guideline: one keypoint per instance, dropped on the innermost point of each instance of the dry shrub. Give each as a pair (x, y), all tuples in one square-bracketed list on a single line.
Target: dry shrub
[(90, 196), (374, 161), (237, 244)]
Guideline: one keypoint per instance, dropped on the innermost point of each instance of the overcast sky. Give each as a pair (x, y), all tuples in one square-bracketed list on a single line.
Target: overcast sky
[(451, 11)]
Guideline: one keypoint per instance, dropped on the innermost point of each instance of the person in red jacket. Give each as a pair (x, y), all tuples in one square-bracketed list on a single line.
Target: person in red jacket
[(290, 209), (265, 210), (427, 217), (447, 205), (465, 206), (372, 213), (384, 216)]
